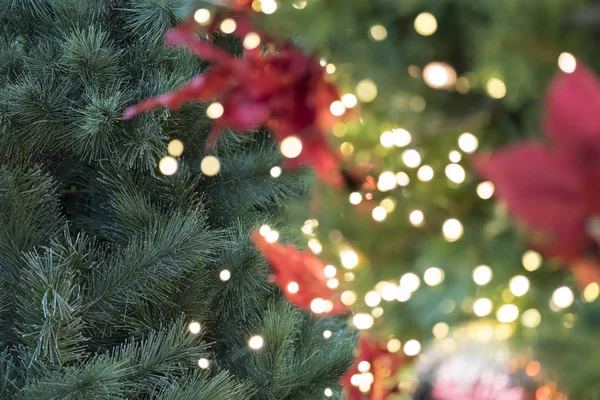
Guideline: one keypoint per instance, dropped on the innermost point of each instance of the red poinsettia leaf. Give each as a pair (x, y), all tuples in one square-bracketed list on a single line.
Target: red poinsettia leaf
[(586, 271), (572, 113), (302, 267), (541, 189)]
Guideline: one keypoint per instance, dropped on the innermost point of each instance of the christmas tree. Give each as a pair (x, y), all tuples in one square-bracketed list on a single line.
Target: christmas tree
[(126, 264)]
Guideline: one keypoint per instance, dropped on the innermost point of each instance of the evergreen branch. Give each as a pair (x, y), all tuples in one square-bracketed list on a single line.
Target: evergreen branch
[(149, 19), (202, 386)]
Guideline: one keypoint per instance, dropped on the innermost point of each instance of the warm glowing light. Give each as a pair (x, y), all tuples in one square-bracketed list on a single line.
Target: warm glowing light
[(364, 366), (329, 271), (203, 363), (507, 313), (389, 204), (482, 307), (496, 88), (330, 69), (355, 198), (412, 347), (175, 148), (417, 104), (291, 147), (456, 173), (387, 139), (416, 217), (531, 318), (411, 158), (276, 172), (394, 345), (591, 292), (441, 330), (439, 75), (468, 142), (433, 276), (224, 275), (363, 321), (268, 6), (264, 230), (426, 24), (519, 285), (194, 327), (485, 190), (215, 110), (348, 297), (337, 108), (386, 181), (210, 165), (202, 16), (272, 236), (532, 260), (317, 305), (463, 85), (567, 62), (349, 100), (378, 32), (562, 297), (388, 291), (293, 287), (410, 282), (327, 334), (402, 137), (256, 342), (328, 392), (452, 230), (167, 165), (454, 156), (251, 41), (379, 214), (372, 298), (425, 173), (348, 276), (299, 4), (228, 25), (346, 148), (403, 294), (349, 258), (366, 90), (315, 246), (333, 283), (402, 178), (482, 275)]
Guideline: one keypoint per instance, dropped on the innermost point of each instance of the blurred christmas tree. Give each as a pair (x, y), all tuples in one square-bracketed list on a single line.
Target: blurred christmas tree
[(120, 279)]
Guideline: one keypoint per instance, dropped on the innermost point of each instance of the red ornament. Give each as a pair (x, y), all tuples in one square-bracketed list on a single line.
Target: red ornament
[(300, 274), (555, 190), (284, 91), (382, 364)]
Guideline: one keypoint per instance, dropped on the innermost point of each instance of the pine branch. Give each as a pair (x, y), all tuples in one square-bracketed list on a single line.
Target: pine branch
[(202, 386), (149, 19)]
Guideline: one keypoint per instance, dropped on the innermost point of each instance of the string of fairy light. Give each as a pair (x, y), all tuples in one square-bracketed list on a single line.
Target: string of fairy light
[(437, 75)]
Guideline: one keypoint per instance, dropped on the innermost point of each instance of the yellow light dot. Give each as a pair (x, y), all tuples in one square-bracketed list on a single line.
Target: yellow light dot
[(348, 297), (327, 334), (349, 100), (175, 148), (485, 190), (167, 165), (379, 214), (433, 276), (228, 25), (276, 172), (394, 345), (194, 327), (482, 307), (333, 283), (441, 330), (532, 260), (348, 276), (251, 41), (366, 90), (330, 271), (355, 198), (215, 110), (416, 217), (315, 246), (347, 148), (330, 69), (318, 305), (439, 75), (496, 88), (519, 285), (452, 230), (293, 287), (210, 165), (402, 178), (389, 204), (268, 6), (224, 275), (425, 173), (482, 275), (531, 318), (362, 321), (507, 313), (291, 147), (272, 237), (562, 297), (402, 137), (591, 292), (567, 62), (463, 85), (403, 294), (299, 4), (364, 366), (378, 32), (410, 282), (339, 129), (328, 392), (454, 156), (468, 142), (256, 342), (203, 363), (264, 230), (386, 181), (426, 24), (507, 296), (456, 173), (349, 258), (202, 16), (411, 158), (412, 348), (388, 291), (387, 139)]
